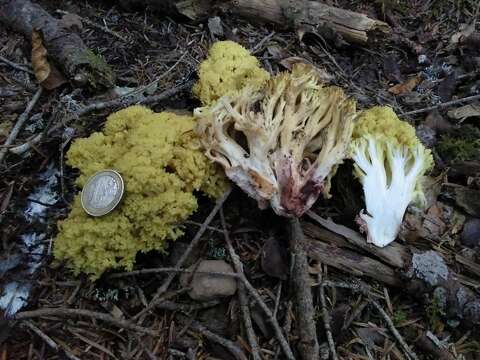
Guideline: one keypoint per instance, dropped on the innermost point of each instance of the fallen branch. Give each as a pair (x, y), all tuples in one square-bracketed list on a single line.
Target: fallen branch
[(350, 25), (122, 101), (66, 47), (352, 262), (19, 124), (442, 105), (305, 313), (242, 297), (394, 254), (66, 312), (299, 15)]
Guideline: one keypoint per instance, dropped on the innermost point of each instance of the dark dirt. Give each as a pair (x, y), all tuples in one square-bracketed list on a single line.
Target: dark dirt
[(420, 44)]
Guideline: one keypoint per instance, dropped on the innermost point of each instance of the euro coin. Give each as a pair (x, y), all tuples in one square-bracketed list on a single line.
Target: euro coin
[(102, 192)]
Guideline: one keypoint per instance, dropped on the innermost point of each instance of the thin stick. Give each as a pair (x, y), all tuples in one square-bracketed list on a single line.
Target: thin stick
[(326, 323), (271, 319), (123, 101), (18, 126), (409, 352), (442, 105), (164, 287), (66, 312), (230, 345), (15, 65), (168, 270), (242, 297), (307, 330), (48, 340)]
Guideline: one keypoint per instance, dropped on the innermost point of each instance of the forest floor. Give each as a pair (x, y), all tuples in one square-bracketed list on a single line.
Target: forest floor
[(429, 61)]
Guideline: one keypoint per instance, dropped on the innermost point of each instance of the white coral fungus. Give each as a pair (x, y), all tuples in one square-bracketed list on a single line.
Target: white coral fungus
[(281, 144)]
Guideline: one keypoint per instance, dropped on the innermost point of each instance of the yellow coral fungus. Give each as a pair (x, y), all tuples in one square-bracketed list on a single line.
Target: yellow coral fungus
[(382, 120), (228, 68), (160, 160)]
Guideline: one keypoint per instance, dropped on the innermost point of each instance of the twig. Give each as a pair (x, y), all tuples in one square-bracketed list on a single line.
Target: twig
[(168, 270), (123, 101), (326, 323), (270, 318), (15, 66), (100, 27), (230, 345), (394, 331), (277, 299), (185, 255), (18, 126), (86, 313), (48, 340), (442, 105), (308, 345), (247, 319)]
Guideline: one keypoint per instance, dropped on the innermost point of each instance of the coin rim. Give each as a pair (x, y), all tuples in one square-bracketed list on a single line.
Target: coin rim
[(113, 204)]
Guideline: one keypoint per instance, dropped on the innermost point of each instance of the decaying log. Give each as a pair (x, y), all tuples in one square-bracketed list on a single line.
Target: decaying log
[(304, 15), (352, 26), (64, 46), (423, 274)]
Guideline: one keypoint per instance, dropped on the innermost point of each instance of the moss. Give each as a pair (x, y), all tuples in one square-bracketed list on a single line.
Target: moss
[(162, 165), (462, 144), (100, 73), (228, 68)]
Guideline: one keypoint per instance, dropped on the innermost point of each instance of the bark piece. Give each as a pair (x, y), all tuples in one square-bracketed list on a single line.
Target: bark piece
[(352, 262), (66, 47)]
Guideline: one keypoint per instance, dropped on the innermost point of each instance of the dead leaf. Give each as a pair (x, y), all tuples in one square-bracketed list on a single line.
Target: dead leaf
[(71, 21), (447, 86), (391, 69), (274, 259), (406, 86), (464, 112), (288, 63), (46, 74)]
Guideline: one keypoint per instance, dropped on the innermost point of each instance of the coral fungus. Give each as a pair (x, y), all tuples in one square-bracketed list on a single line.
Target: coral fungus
[(161, 162), (228, 68)]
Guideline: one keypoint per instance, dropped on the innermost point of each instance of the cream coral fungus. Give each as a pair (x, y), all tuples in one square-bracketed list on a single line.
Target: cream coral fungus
[(228, 68), (160, 159), (281, 144), (390, 162)]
